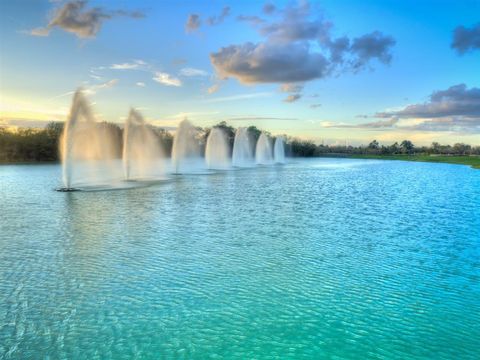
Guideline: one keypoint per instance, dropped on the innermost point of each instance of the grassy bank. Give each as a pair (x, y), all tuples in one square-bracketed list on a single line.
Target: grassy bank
[(473, 161)]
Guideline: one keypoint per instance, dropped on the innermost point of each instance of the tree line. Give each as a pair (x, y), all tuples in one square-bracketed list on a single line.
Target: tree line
[(36, 145)]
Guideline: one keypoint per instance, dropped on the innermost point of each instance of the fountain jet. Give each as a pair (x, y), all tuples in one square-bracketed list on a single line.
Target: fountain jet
[(216, 151), (86, 147), (263, 151), (242, 155), (185, 147), (142, 150), (279, 150)]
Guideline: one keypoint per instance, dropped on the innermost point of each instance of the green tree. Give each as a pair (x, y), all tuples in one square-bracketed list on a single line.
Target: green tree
[(407, 147)]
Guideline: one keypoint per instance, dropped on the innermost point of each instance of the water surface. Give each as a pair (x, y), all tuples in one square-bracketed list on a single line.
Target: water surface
[(323, 258)]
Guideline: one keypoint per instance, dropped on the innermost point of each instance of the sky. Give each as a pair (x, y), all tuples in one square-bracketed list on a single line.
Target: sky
[(331, 71)]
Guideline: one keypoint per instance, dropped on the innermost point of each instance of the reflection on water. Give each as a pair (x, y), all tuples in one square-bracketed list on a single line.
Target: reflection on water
[(314, 259)]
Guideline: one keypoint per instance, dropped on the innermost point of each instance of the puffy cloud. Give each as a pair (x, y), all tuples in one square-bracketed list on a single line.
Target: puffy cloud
[(372, 46), (84, 23), (166, 79), (192, 72), (456, 109), (292, 98), (465, 40), (457, 100), (140, 84), (269, 63), (298, 47), (459, 124), (296, 24), (193, 23), (215, 20)]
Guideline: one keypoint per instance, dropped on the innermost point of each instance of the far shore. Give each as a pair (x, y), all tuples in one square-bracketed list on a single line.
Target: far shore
[(469, 160)]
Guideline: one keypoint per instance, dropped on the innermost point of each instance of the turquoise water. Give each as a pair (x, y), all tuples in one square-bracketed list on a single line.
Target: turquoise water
[(324, 258)]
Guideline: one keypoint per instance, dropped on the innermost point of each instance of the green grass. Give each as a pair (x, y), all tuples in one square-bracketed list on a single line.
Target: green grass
[(473, 161)]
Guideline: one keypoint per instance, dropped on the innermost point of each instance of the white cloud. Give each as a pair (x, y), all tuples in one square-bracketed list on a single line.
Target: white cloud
[(166, 79), (140, 84)]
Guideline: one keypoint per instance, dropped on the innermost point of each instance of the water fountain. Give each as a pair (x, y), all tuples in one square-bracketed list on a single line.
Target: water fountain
[(216, 150), (90, 151), (142, 151), (87, 148), (185, 149), (263, 151), (279, 150), (242, 155)]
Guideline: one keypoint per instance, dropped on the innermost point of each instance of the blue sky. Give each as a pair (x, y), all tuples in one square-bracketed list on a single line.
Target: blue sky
[(398, 76)]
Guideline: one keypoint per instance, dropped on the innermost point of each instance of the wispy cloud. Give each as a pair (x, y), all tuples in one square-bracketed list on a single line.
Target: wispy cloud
[(39, 32), (252, 19), (292, 98), (137, 64), (193, 23), (216, 20), (370, 125), (190, 72), (166, 79), (182, 115), (93, 89), (140, 84), (213, 89), (239, 97), (252, 118)]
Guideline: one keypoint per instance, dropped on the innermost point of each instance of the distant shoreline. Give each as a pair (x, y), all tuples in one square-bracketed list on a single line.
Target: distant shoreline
[(472, 161), (468, 160)]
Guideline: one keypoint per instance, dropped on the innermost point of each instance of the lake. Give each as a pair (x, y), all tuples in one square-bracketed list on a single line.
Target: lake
[(320, 258)]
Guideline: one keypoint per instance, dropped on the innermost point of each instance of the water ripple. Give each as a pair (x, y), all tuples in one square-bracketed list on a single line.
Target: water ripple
[(337, 259)]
